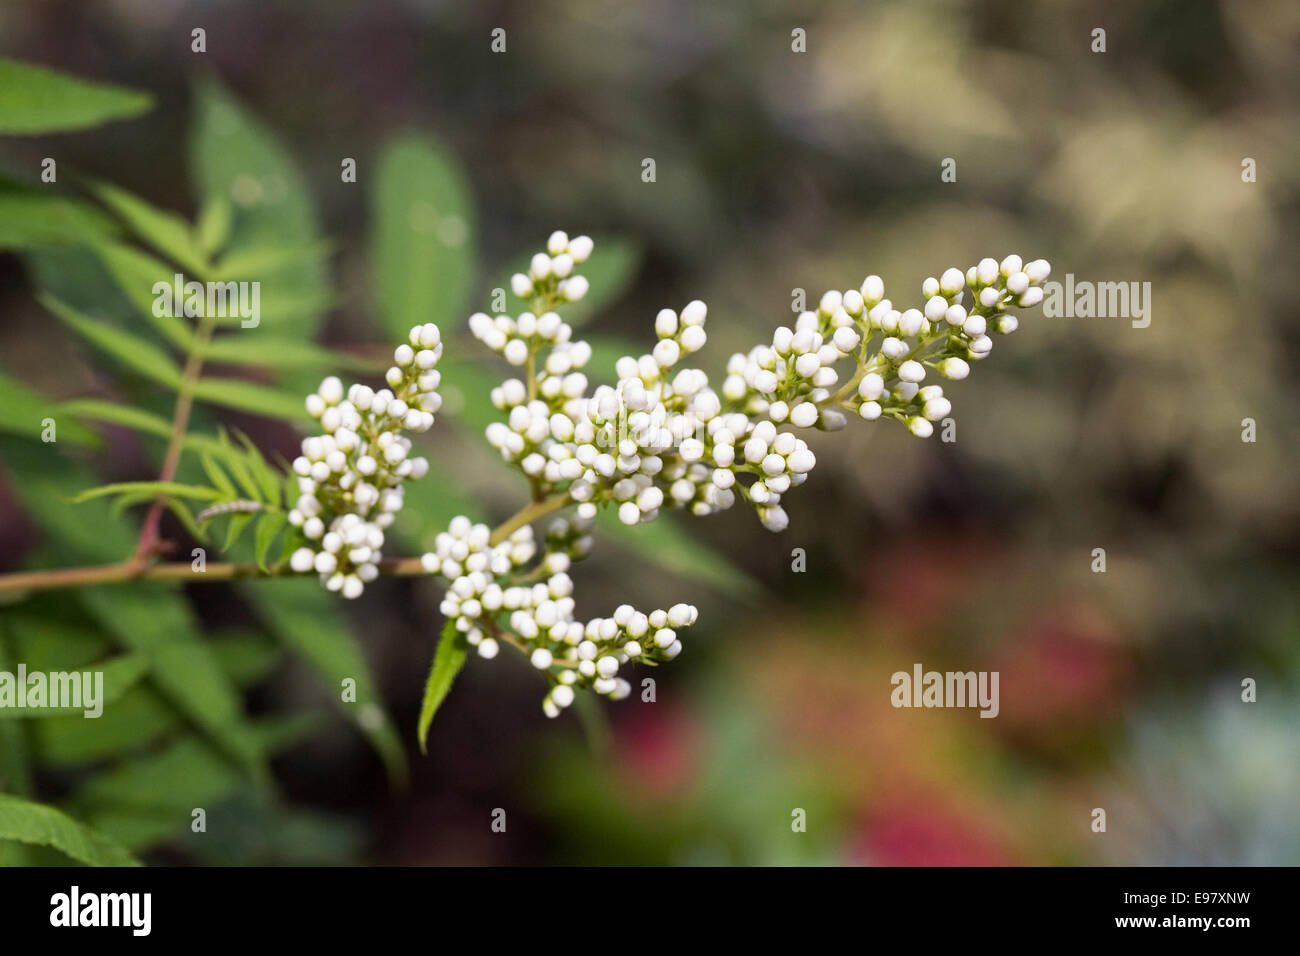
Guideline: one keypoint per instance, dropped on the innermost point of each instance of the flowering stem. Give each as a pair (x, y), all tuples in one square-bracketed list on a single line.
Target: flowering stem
[(133, 570)]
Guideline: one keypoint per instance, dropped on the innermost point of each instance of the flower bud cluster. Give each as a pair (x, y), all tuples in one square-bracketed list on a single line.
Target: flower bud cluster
[(351, 478), (495, 597)]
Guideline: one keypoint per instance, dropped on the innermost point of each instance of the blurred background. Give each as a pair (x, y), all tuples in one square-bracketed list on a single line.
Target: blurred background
[(775, 170)]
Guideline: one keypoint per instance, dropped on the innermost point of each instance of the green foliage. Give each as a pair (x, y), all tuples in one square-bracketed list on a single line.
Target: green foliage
[(447, 662), (25, 411), (34, 99), (422, 251), (177, 735), (29, 822)]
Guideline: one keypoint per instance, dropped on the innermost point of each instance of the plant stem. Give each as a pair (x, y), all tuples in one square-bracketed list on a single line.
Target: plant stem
[(133, 570), (176, 442)]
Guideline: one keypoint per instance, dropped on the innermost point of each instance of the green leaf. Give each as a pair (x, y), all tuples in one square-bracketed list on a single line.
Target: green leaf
[(154, 621), (305, 619), (447, 662), (32, 219), (249, 262), (269, 479), (422, 247), (250, 397), (137, 273), (144, 357), (237, 157), (34, 99), (185, 517), (610, 270), (25, 412), (149, 488), (218, 477), (267, 529), (213, 228), (120, 674), (267, 351), (147, 800), (36, 823), (15, 761), (134, 418), (664, 544), (239, 520), (166, 232)]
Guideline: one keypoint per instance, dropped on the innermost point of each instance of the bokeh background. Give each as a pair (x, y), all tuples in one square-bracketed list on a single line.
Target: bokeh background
[(775, 170)]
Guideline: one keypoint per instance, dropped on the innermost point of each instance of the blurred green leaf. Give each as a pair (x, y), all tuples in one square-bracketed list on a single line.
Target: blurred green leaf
[(154, 621), (25, 410), (237, 157), (136, 273), (148, 488), (248, 347), (30, 218), (144, 357), (664, 544), (34, 99), (423, 245), (15, 769), (447, 662), (120, 674), (135, 418), (149, 799), (29, 822), (213, 227), (309, 622), (251, 397), (268, 527), (166, 232)]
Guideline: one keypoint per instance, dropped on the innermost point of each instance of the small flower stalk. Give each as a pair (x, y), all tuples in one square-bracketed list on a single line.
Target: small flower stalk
[(660, 436)]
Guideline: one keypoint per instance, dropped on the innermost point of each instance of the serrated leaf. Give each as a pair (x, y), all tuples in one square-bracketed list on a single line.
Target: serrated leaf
[(144, 357), (423, 244), (307, 621), (35, 99), (447, 662), (29, 822), (250, 397), (165, 231), (267, 529), (148, 488), (25, 412)]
